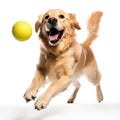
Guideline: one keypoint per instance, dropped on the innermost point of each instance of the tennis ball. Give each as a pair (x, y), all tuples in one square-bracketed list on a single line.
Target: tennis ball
[(22, 30)]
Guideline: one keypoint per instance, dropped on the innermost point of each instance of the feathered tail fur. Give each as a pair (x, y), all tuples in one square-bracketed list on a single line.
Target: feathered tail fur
[(92, 26)]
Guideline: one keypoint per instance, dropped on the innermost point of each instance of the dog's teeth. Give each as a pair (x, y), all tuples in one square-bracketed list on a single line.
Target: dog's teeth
[(47, 29)]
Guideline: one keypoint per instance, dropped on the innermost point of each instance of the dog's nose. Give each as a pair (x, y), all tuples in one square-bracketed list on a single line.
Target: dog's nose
[(52, 21)]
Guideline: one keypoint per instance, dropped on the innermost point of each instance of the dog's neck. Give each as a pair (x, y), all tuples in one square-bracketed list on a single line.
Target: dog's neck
[(56, 50), (62, 47)]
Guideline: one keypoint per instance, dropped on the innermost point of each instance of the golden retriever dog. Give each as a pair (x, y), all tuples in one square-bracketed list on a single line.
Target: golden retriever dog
[(63, 60)]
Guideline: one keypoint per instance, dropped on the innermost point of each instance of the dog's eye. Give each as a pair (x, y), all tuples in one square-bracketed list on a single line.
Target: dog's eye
[(47, 16), (62, 16)]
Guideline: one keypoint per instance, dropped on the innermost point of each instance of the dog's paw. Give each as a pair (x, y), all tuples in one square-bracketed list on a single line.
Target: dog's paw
[(41, 103), (30, 94), (100, 98), (70, 100)]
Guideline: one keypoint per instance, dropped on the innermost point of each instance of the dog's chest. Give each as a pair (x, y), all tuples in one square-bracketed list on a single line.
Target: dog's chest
[(65, 64), (55, 67)]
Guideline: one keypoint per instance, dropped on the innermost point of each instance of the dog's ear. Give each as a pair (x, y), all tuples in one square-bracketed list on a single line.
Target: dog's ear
[(38, 23), (74, 22)]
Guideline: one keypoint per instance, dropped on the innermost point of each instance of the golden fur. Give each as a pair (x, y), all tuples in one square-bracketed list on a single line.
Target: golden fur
[(62, 59)]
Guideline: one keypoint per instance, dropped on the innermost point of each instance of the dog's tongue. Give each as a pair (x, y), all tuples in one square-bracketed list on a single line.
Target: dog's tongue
[(53, 37)]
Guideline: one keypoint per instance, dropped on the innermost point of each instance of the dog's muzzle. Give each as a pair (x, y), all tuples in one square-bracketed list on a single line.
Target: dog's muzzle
[(54, 34)]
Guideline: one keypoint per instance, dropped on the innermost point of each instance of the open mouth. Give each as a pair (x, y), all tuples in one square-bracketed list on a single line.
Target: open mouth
[(54, 36)]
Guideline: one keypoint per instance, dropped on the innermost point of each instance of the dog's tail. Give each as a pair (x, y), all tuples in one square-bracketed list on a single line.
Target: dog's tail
[(92, 26)]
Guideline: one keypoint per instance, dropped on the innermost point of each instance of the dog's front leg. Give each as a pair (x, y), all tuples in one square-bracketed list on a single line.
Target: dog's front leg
[(52, 90), (31, 92)]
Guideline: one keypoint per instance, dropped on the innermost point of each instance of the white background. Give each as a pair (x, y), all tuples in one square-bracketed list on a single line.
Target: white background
[(18, 62)]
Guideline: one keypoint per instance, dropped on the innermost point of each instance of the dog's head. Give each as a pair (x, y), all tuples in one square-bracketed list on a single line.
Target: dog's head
[(55, 25)]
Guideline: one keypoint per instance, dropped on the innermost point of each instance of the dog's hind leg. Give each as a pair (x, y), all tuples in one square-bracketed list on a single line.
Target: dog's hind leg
[(98, 89), (93, 74), (96, 82), (99, 93), (94, 77), (74, 94)]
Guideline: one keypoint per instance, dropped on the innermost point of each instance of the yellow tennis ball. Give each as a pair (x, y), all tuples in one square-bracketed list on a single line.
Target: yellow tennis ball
[(22, 30)]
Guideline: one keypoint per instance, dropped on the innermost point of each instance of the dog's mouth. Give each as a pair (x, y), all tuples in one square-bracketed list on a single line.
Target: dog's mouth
[(54, 36)]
